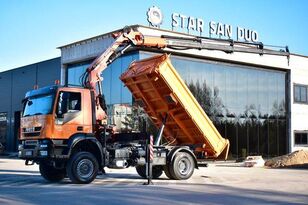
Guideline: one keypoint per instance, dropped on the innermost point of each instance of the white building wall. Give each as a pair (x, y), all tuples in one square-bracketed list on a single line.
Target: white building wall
[(299, 112), (84, 50)]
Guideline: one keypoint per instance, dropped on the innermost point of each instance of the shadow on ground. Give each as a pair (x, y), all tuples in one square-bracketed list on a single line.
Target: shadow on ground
[(182, 193)]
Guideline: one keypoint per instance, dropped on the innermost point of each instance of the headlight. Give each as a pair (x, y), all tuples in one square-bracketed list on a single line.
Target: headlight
[(20, 147)]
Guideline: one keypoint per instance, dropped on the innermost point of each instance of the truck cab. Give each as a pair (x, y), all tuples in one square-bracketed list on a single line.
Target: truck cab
[(51, 116), (58, 124)]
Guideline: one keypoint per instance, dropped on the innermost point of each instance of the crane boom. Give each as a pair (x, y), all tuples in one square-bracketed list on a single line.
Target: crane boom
[(129, 38)]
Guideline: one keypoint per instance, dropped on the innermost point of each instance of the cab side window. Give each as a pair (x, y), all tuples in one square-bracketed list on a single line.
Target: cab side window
[(68, 102), (74, 102)]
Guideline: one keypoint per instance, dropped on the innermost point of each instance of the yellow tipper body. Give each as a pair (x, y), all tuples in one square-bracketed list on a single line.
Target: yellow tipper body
[(155, 83)]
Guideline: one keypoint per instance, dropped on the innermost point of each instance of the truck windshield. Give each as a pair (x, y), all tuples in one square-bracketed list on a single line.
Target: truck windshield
[(40, 105)]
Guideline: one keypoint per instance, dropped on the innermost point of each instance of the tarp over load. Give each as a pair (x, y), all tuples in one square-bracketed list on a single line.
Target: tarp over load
[(156, 84)]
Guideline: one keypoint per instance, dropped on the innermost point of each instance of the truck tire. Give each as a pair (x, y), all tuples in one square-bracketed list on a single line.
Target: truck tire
[(50, 173), (182, 166), (82, 168), (167, 171), (157, 171)]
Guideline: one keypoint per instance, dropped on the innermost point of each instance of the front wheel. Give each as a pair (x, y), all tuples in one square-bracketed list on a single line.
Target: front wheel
[(51, 173), (182, 166), (82, 168)]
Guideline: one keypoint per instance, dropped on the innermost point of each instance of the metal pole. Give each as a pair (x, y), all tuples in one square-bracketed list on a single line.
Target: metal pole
[(104, 150), (151, 157), (149, 164), (105, 144)]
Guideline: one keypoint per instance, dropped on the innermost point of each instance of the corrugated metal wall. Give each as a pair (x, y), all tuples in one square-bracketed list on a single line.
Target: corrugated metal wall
[(15, 83)]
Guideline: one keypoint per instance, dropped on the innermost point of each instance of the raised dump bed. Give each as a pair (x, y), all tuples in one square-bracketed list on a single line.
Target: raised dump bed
[(155, 83)]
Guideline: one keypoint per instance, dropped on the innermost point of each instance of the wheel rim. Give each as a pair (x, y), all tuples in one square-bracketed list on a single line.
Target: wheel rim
[(184, 166), (85, 168)]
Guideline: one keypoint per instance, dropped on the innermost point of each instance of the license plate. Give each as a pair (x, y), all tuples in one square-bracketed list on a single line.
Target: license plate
[(28, 153)]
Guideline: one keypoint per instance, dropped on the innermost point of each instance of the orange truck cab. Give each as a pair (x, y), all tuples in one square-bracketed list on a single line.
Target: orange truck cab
[(51, 116)]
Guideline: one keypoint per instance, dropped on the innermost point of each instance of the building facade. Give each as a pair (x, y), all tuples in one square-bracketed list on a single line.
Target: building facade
[(258, 102), (14, 84)]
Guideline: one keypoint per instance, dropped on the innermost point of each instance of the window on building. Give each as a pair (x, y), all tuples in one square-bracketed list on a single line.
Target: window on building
[(301, 138), (74, 71), (300, 93), (239, 102)]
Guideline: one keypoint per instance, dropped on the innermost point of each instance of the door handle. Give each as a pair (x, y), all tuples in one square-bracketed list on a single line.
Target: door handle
[(79, 128)]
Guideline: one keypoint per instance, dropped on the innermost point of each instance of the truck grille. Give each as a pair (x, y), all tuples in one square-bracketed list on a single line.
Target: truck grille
[(32, 131), (32, 134)]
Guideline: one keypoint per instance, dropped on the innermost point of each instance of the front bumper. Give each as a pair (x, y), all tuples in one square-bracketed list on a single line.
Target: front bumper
[(34, 149)]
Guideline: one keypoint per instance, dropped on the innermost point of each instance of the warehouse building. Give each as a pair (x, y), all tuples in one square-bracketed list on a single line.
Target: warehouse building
[(258, 102), (14, 84)]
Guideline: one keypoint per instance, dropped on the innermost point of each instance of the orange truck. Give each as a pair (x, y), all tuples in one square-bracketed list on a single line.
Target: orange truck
[(65, 130)]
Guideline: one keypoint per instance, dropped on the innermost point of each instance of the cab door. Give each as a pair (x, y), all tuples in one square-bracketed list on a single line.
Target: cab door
[(68, 114)]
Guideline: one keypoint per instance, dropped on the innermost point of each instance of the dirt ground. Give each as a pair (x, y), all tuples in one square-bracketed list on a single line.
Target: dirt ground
[(294, 159)]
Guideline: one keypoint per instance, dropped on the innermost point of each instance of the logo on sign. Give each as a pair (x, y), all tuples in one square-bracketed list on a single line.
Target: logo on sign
[(155, 16)]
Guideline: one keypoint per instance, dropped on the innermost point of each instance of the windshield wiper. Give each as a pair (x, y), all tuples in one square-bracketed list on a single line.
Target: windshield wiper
[(38, 113)]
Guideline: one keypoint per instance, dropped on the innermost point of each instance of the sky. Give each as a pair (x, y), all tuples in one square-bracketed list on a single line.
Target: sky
[(31, 30)]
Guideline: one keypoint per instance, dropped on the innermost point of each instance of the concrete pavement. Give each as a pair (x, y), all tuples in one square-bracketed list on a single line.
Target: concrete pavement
[(220, 183)]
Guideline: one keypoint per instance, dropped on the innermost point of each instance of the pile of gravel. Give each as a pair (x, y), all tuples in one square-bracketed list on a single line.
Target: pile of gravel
[(296, 158)]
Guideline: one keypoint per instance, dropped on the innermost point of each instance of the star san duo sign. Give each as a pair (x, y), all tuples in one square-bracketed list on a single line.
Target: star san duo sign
[(192, 24)]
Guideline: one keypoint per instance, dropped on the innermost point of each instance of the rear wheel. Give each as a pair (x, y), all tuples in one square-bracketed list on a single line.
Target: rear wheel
[(82, 168), (182, 166), (51, 173), (157, 171), (167, 172)]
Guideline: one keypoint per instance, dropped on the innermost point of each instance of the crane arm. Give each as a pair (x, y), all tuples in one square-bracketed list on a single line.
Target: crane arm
[(92, 77), (129, 38), (123, 39)]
